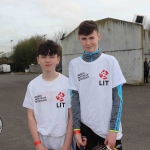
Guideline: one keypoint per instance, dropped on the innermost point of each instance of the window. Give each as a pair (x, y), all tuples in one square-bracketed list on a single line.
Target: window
[(139, 19)]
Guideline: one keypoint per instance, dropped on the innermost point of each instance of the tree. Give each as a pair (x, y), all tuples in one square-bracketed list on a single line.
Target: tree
[(58, 36), (25, 52)]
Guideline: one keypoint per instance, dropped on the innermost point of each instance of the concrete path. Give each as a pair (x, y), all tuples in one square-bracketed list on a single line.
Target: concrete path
[(16, 135)]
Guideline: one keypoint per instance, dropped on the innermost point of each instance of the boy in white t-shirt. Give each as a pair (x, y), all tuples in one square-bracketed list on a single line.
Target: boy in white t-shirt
[(96, 82), (48, 103)]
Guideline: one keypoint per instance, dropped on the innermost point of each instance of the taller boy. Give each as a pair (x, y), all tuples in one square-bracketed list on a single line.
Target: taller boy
[(96, 83)]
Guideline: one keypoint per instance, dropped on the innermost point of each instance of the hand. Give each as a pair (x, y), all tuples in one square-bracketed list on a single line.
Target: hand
[(111, 139), (41, 147), (79, 140)]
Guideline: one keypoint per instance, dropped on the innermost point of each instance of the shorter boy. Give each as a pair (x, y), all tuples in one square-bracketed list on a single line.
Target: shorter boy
[(48, 103)]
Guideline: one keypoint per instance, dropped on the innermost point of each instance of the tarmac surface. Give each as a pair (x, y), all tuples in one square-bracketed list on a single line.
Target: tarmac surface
[(16, 135)]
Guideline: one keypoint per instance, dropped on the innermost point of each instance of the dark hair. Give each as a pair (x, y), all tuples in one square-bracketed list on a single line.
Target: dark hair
[(48, 47), (87, 27)]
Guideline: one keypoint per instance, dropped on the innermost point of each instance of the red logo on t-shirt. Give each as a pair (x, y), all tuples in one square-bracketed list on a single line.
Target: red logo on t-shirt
[(103, 74), (60, 96)]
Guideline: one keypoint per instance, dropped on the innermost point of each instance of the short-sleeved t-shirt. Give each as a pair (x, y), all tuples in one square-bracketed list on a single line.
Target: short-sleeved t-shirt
[(50, 102), (94, 82)]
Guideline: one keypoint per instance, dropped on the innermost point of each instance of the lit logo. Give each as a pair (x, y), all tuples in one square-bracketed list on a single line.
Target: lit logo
[(103, 75), (60, 97)]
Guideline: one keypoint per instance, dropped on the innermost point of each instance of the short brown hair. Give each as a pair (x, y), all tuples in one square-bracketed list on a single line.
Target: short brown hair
[(87, 27), (48, 47)]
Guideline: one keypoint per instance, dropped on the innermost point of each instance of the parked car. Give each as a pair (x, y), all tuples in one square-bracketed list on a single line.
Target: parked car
[(4, 68)]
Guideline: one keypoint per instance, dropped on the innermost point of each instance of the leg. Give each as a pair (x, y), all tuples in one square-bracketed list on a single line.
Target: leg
[(144, 76), (73, 144), (54, 143), (118, 145), (147, 76)]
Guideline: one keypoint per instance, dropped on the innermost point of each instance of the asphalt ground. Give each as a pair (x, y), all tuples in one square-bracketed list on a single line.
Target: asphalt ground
[(16, 135)]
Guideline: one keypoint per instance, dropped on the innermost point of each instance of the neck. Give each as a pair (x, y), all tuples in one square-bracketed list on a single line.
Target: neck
[(50, 76), (89, 57), (98, 50)]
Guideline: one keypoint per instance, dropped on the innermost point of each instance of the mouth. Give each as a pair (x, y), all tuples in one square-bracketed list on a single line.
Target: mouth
[(48, 65), (89, 47)]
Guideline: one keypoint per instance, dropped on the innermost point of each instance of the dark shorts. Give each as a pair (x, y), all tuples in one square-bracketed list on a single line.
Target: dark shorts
[(93, 139)]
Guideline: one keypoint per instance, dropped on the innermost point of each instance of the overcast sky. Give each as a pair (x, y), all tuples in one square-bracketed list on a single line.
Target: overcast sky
[(20, 19)]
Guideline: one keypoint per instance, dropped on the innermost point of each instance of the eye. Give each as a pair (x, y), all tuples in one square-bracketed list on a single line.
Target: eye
[(43, 56), (91, 38), (53, 56), (83, 39)]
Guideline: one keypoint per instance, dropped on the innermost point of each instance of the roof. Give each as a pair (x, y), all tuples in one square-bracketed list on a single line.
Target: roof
[(103, 21)]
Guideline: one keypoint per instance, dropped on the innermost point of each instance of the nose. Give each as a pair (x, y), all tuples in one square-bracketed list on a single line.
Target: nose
[(47, 59), (88, 42)]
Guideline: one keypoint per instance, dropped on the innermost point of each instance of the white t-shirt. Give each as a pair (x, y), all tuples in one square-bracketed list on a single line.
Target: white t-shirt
[(50, 102), (94, 82)]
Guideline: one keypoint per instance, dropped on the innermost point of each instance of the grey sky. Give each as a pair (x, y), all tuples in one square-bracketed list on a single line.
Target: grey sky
[(20, 19)]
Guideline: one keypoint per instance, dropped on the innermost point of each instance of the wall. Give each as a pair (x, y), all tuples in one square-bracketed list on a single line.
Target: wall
[(35, 68), (146, 44)]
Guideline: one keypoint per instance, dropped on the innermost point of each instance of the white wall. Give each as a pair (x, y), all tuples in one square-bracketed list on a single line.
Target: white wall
[(131, 64), (146, 44), (71, 49)]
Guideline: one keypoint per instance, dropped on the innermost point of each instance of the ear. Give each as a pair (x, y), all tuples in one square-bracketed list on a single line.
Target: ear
[(99, 36), (37, 58), (79, 38), (58, 59)]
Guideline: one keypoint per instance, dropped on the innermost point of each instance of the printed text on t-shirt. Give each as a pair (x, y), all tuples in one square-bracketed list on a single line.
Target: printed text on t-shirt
[(39, 98), (82, 76)]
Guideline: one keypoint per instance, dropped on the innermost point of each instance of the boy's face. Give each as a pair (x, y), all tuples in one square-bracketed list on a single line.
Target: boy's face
[(90, 42), (48, 63)]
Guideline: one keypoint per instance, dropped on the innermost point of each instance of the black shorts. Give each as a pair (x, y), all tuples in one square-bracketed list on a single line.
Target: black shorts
[(93, 139)]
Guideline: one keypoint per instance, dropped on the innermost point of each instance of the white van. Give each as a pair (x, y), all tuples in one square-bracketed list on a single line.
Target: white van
[(4, 68)]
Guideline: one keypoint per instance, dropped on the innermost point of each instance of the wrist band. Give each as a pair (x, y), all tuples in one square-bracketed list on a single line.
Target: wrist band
[(37, 143), (77, 131)]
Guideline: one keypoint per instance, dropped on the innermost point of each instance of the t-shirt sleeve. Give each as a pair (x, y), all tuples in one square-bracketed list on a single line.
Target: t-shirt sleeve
[(69, 99), (117, 75), (72, 81), (28, 100)]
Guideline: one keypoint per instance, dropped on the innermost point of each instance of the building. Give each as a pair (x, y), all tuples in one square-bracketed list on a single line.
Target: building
[(128, 42)]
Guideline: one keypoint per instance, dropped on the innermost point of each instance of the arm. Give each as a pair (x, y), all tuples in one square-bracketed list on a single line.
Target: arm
[(33, 129), (115, 116), (68, 140), (144, 65), (76, 116)]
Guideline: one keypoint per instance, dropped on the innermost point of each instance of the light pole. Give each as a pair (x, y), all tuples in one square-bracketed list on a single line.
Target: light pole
[(11, 45), (44, 36), (11, 55)]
